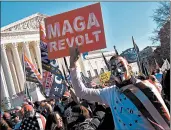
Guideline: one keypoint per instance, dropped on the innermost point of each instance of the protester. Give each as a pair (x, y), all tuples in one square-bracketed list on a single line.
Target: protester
[(54, 122), (18, 110), (7, 118), (32, 120), (126, 98)]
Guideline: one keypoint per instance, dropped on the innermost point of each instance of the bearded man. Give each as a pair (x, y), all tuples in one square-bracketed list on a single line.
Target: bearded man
[(134, 104)]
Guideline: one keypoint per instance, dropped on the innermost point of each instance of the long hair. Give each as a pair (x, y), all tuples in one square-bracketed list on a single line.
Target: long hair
[(49, 121)]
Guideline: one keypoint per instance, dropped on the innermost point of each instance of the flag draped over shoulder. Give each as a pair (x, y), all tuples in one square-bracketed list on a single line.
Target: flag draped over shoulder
[(53, 80)]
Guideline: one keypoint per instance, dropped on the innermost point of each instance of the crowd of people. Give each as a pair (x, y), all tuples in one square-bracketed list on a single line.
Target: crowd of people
[(126, 102), (62, 114)]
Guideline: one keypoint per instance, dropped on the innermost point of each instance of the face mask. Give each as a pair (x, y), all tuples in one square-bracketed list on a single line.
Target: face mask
[(118, 70)]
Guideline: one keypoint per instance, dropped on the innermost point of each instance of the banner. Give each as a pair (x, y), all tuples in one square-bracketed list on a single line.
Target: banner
[(32, 74), (82, 27), (52, 76), (105, 77)]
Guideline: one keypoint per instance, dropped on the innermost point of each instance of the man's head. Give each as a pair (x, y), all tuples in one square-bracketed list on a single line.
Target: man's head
[(66, 98), (119, 69), (42, 104), (6, 115), (28, 111)]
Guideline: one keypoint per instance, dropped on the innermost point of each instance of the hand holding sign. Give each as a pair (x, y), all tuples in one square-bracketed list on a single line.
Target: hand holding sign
[(74, 56)]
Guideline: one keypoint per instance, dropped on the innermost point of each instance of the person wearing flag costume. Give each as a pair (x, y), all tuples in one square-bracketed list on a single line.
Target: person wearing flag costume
[(135, 104)]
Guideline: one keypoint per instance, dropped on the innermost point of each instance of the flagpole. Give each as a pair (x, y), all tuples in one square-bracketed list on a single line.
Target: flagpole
[(107, 65), (66, 65), (115, 50), (138, 58)]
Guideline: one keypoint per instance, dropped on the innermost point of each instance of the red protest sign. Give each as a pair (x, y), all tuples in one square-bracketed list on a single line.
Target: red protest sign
[(82, 27)]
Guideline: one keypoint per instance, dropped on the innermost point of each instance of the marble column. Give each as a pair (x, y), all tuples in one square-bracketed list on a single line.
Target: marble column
[(7, 72), (18, 66), (27, 51), (38, 55), (5, 98), (13, 70)]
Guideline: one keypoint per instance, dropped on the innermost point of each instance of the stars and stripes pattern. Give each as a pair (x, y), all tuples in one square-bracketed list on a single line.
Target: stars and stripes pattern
[(150, 104), (33, 123)]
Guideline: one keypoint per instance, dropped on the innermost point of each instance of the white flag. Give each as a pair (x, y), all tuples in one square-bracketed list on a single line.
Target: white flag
[(165, 66)]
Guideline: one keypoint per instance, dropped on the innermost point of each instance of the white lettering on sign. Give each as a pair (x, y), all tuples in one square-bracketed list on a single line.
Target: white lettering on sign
[(66, 28), (70, 42), (79, 40), (61, 44), (79, 25), (88, 41), (53, 30), (92, 21), (53, 46), (96, 33)]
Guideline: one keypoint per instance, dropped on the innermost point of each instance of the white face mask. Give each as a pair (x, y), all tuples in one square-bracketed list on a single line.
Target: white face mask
[(118, 69)]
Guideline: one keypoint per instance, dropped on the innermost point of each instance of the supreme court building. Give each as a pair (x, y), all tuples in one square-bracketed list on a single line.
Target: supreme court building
[(17, 38)]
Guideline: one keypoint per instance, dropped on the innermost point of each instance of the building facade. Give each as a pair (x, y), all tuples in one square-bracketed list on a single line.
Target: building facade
[(18, 38)]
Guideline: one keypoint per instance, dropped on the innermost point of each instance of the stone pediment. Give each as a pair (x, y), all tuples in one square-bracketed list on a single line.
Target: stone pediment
[(30, 23)]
